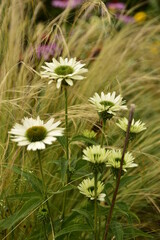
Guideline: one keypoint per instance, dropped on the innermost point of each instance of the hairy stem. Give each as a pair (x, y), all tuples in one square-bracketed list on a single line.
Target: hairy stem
[(103, 132), (120, 172), (95, 207)]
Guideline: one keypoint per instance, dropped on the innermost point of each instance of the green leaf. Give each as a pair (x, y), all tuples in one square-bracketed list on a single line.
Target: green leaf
[(26, 209), (62, 141), (32, 179), (107, 189), (68, 220), (74, 228), (124, 209), (136, 233), (133, 216), (81, 168), (126, 180), (66, 188), (24, 196), (117, 230), (64, 165), (86, 214), (80, 138)]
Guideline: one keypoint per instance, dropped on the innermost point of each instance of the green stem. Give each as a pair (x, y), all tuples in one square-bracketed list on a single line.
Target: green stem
[(102, 143), (103, 132), (67, 150), (100, 222), (45, 232), (95, 207), (45, 193), (66, 126)]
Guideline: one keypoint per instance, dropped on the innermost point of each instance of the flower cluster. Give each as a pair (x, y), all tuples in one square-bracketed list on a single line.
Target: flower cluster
[(35, 134)]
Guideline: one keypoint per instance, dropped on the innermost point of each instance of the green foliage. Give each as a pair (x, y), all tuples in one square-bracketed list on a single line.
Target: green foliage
[(85, 214), (117, 230), (35, 182), (26, 210), (73, 228)]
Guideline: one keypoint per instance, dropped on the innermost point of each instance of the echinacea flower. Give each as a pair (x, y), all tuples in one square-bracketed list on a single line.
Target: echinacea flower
[(95, 154), (108, 105), (136, 126), (35, 134), (87, 188), (66, 3), (64, 72), (114, 160), (43, 213)]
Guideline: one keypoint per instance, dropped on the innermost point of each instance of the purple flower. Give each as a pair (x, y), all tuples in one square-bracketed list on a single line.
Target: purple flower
[(46, 51), (116, 6), (125, 18), (66, 3)]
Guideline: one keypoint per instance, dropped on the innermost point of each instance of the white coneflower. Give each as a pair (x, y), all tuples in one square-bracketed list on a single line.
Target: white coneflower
[(114, 160), (35, 134), (108, 105), (136, 127), (86, 187), (95, 154), (64, 72)]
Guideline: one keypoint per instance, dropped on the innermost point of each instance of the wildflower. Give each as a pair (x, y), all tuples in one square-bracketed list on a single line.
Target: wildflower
[(108, 105), (35, 134), (89, 134), (140, 17), (125, 18), (95, 154), (136, 127), (87, 188), (66, 3), (97, 157), (46, 51), (64, 72), (114, 160), (119, 6)]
